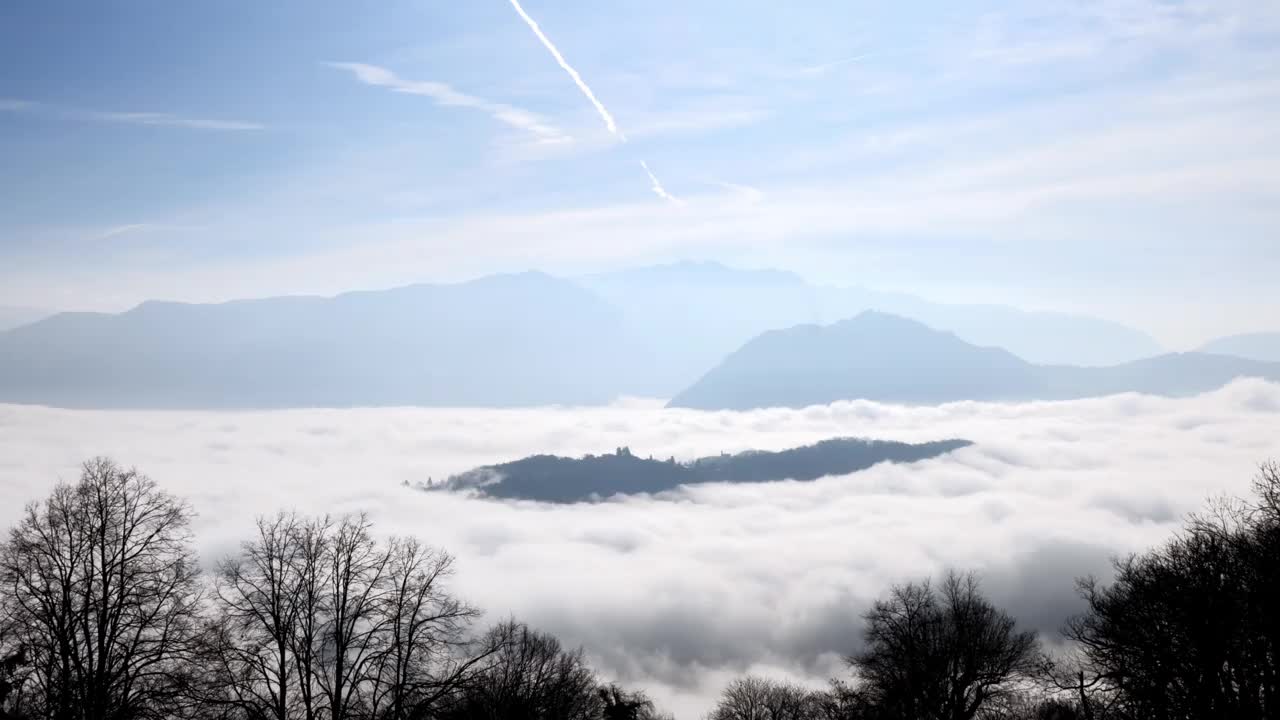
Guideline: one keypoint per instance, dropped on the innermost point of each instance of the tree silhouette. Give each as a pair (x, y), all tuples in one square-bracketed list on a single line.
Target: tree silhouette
[(104, 616), (941, 654), (1192, 629), (102, 590), (620, 704), (317, 619), (758, 698), (529, 676), (14, 668)]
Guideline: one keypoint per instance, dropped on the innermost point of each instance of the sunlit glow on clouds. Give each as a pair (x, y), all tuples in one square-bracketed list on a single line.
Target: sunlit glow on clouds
[(679, 593)]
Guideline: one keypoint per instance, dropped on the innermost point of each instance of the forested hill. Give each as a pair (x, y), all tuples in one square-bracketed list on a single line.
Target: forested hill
[(551, 478)]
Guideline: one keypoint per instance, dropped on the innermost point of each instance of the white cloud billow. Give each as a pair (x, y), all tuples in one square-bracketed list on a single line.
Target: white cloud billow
[(679, 593)]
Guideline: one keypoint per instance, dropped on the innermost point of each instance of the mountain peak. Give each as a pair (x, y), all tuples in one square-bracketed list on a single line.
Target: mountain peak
[(888, 358)]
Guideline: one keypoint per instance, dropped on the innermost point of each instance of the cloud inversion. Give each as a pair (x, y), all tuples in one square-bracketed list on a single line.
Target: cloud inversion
[(677, 594)]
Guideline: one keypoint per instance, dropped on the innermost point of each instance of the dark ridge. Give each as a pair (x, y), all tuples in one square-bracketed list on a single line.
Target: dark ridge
[(550, 478)]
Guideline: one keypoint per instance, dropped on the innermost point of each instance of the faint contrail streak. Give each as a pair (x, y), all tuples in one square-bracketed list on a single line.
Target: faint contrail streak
[(609, 123), (656, 186), (577, 79)]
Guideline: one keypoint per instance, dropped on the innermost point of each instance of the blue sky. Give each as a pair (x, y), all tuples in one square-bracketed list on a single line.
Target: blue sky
[(1114, 156)]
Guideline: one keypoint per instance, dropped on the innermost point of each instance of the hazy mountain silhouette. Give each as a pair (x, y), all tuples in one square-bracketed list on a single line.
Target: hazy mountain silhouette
[(501, 340), (550, 478), (690, 315), (878, 356), (12, 317), (1036, 336), (520, 339), (696, 313), (1255, 346)]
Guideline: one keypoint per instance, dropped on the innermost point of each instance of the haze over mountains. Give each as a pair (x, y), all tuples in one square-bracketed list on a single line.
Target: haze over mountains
[(887, 358), (713, 309), (12, 317), (522, 339), (1255, 346), (517, 340)]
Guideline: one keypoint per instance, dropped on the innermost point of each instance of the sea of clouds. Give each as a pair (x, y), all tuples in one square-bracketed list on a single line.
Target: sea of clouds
[(681, 592)]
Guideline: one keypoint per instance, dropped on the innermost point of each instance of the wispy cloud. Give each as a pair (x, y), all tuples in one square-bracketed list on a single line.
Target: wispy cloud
[(158, 119), (119, 230), (447, 96), (605, 115), (746, 192), (823, 67), (164, 119)]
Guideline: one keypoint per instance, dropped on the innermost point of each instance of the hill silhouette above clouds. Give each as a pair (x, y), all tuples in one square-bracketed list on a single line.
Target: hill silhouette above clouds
[(887, 358), (533, 339), (550, 478)]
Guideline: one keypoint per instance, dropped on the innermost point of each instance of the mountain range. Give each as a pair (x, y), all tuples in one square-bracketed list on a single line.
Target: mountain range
[(502, 340), (887, 358), (525, 339), (709, 309)]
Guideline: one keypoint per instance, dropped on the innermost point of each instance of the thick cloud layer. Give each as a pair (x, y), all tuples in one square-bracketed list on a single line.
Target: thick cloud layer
[(679, 593)]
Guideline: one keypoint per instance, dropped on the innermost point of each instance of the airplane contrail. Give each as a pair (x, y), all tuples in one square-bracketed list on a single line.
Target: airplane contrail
[(577, 79), (609, 123), (656, 186)]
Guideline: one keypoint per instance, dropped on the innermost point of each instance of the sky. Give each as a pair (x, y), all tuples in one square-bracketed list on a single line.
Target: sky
[(681, 592), (1111, 156)]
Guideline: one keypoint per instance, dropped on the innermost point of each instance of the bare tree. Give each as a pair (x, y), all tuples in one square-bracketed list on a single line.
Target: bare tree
[(1191, 629), (941, 655), (14, 669), (311, 539), (841, 701), (1069, 677), (352, 636), (758, 698), (315, 619), (425, 653), (620, 704), (249, 662), (102, 586), (530, 676)]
